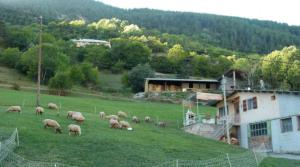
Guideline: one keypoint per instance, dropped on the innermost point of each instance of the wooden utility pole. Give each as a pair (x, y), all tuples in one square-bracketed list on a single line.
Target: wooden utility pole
[(225, 108), (39, 63)]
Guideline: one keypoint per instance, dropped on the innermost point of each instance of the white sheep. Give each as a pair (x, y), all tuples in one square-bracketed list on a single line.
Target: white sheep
[(52, 124), (125, 124), (113, 123), (135, 119), (71, 113), (102, 115), (39, 110), (115, 117), (14, 109), (78, 117), (122, 114), (75, 129), (162, 124), (52, 106), (147, 119)]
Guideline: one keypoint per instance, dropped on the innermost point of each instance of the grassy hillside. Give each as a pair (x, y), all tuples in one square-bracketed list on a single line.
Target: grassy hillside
[(100, 145)]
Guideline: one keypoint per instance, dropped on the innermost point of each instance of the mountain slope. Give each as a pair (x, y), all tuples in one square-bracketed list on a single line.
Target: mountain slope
[(233, 33)]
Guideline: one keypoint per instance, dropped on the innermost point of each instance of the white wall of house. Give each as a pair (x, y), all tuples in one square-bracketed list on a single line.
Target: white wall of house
[(287, 142), (289, 104), (244, 136), (266, 108)]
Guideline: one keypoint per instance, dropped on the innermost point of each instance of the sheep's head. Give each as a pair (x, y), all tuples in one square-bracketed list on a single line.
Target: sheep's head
[(58, 130)]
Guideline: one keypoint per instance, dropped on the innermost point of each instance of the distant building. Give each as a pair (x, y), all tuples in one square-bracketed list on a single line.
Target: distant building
[(85, 42), (179, 85), (235, 79), (264, 117)]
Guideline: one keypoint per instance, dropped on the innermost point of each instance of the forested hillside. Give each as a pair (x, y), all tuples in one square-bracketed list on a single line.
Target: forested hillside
[(244, 35)]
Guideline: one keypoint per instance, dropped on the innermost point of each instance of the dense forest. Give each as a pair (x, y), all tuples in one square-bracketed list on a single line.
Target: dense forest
[(138, 51), (232, 33)]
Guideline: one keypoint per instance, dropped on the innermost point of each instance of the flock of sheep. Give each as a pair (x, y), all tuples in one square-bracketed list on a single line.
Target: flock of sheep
[(115, 121)]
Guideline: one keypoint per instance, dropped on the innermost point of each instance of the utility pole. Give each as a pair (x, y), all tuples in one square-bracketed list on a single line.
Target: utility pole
[(225, 108), (39, 63)]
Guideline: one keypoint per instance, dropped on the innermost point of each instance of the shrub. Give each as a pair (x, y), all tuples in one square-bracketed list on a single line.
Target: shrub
[(60, 83), (136, 77), (15, 86)]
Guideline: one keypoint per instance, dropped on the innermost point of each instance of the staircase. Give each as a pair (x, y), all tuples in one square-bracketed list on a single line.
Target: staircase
[(212, 131)]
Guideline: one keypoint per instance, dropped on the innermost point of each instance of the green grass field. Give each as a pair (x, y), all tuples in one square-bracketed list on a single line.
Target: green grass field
[(101, 146)]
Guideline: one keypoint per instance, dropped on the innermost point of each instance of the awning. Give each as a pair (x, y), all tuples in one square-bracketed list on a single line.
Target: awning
[(208, 96)]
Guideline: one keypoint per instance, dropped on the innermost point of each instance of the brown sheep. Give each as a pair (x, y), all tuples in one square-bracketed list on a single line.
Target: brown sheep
[(114, 124), (52, 124)]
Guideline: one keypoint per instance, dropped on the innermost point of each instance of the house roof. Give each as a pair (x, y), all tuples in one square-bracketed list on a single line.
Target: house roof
[(89, 40), (183, 80), (258, 91)]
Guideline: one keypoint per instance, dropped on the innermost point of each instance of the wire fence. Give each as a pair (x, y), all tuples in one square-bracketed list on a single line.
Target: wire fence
[(247, 159), (10, 159)]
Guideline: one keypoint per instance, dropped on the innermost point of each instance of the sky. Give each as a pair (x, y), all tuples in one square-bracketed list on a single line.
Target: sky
[(283, 11)]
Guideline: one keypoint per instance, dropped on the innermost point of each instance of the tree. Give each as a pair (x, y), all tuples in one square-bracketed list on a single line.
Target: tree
[(136, 77), (60, 82), (176, 53), (53, 60), (9, 57), (76, 75), (130, 52), (98, 56), (91, 74), (293, 75)]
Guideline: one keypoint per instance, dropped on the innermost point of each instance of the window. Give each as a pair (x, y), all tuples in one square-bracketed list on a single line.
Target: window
[(222, 111), (286, 125), (250, 104), (273, 97), (258, 129)]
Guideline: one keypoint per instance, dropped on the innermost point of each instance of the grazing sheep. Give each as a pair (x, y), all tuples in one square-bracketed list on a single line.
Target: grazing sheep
[(122, 114), (113, 123), (162, 124), (71, 113), (115, 117), (52, 124), (102, 115), (52, 106), (39, 110), (135, 119), (125, 124), (78, 117), (75, 129), (147, 119), (14, 109)]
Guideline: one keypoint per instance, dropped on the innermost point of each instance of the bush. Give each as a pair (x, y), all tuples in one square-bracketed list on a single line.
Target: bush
[(60, 83), (118, 67), (15, 86)]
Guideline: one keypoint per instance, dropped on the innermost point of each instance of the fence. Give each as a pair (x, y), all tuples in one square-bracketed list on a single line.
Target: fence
[(246, 159), (10, 159)]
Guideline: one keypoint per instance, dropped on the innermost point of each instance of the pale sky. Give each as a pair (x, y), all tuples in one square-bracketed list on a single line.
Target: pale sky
[(284, 11)]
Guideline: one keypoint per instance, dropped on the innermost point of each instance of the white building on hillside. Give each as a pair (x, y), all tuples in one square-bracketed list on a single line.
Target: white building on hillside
[(85, 42), (264, 117)]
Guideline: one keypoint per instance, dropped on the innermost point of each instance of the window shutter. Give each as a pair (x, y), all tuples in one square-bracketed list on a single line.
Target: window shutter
[(254, 103), (244, 105)]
